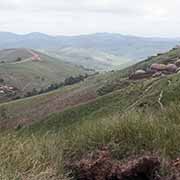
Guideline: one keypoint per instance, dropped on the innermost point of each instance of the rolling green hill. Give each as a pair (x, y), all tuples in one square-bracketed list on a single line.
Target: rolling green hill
[(90, 58), (26, 69), (43, 134), (11, 55)]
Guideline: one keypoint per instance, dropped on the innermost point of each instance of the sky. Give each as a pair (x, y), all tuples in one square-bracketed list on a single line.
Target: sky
[(160, 18)]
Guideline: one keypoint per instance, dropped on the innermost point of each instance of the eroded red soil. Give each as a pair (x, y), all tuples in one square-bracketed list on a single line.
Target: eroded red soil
[(101, 166)]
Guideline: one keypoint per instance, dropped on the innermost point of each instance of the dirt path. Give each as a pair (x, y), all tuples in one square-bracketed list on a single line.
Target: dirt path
[(159, 100)]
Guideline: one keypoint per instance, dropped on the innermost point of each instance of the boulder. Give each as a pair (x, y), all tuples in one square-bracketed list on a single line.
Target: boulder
[(140, 71), (158, 67), (171, 68), (177, 63)]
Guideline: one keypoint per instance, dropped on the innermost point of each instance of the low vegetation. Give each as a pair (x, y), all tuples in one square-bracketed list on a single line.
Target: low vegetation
[(44, 155), (68, 81), (129, 118), (28, 70)]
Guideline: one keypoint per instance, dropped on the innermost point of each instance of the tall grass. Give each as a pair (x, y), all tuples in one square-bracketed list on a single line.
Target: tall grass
[(30, 158), (44, 156)]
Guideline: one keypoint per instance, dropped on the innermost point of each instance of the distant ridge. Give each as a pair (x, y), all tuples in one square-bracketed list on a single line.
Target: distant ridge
[(104, 41)]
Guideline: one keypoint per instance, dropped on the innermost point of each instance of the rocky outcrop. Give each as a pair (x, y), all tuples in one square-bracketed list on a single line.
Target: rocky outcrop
[(158, 67), (141, 74), (140, 71), (101, 167), (171, 68)]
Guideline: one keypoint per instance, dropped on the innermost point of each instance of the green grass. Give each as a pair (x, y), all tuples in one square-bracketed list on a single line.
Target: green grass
[(91, 58), (52, 70), (39, 75), (32, 156), (127, 118), (117, 101), (41, 150), (11, 55)]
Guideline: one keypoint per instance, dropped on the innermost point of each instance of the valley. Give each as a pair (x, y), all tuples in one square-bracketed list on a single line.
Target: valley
[(90, 58)]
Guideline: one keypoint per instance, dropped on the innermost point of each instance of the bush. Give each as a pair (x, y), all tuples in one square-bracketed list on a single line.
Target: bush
[(18, 59), (68, 81)]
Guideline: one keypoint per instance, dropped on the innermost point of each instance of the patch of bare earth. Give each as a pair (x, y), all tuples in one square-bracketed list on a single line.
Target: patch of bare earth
[(101, 166)]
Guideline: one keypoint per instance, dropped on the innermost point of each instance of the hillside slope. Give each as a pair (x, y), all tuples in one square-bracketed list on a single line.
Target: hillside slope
[(91, 89), (127, 122), (12, 55), (130, 118), (89, 58), (26, 69)]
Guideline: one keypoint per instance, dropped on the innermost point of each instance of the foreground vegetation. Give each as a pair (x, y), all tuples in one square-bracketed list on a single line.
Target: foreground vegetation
[(43, 156), (42, 150)]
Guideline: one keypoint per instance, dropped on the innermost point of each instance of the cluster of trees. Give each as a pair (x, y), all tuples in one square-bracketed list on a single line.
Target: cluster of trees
[(31, 93), (18, 59), (1, 80), (73, 80), (68, 81)]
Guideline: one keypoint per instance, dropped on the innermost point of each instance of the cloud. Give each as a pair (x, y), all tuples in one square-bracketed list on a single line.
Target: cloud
[(112, 6), (142, 17)]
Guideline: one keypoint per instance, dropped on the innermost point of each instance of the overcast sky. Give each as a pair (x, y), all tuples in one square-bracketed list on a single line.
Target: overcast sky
[(71, 17)]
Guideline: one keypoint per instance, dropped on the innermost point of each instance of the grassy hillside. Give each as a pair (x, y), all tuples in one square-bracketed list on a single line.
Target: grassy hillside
[(11, 55), (131, 118), (33, 70), (90, 58), (114, 120), (165, 58), (36, 108)]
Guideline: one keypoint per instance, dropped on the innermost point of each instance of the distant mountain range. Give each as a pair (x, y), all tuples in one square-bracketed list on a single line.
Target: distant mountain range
[(100, 51), (115, 43)]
